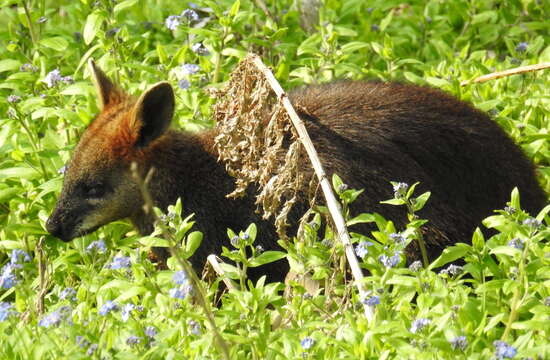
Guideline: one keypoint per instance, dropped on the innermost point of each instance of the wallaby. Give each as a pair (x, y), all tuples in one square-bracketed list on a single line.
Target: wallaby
[(369, 133)]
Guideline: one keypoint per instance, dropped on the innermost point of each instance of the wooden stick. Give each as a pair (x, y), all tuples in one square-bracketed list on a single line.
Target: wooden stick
[(509, 72), (213, 260), (332, 203)]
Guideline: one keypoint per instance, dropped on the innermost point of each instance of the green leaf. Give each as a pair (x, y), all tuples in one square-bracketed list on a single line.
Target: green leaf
[(19, 172), (9, 65), (92, 26), (450, 254), (252, 230), (124, 5), (235, 8), (353, 46), (386, 21), (267, 257), (421, 201), (56, 43), (362, 218), (193, 242)]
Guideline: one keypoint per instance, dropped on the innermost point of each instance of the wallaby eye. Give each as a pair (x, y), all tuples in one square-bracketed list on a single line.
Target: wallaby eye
[(96, 190)]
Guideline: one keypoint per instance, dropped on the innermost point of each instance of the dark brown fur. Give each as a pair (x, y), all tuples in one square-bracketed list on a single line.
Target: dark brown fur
[(368, 133)]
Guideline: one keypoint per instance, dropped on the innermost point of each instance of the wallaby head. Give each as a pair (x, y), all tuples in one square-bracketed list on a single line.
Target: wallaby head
[(98, 187)]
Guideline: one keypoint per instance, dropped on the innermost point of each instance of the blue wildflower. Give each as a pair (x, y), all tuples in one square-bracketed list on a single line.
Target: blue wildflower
[(28, 68), (190, 15), (55, 318), (419, 324), (68, 294), (259, 249), (150, 332), (81, 341), (415, 266), (200, 49), (133, 340), (184, 84), (119, 262), (372, 300), (126, 311), (516, 243), (190, 69), (19, 256), (6, 310), (8, 278), (62, 170), (452, 270), (390, 261), (235, 241), (172, 22), (53, 77), (307, 343), (459, 342), (180, 292), (522, 47), (195, 327), (180, 278), (97, 246), (398, 238), (400, 190), (108, 307), (91, 349), (532, 222), (14, 99), (362, 249), (503, 350)]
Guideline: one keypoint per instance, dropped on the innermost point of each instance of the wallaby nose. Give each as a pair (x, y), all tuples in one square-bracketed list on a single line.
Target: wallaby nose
[(53, 226)]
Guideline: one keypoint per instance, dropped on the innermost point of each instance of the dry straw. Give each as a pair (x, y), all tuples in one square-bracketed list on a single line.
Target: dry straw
[(262, 140)]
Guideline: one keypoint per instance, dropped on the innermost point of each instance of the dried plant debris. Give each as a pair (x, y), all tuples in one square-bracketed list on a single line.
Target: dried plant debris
[(258, 144)]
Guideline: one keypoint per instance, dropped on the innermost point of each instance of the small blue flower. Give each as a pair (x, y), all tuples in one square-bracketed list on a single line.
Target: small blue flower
[(81, 341), (108, 307), (172, 22), (522, 47), (27, 67), (400, 190), (91, 349), (68, 294), (190, 69), (190, 15), (133, 340), (419, 324), (503, 350), (516, 243), (97, 246), (180, 292), (372, 300), (415, 266), (62, 170), (200, 49), (390, 261), (362, 249), (180, 278), (150, 332), (184, 84), (459, 342), (532, 222), (119, 262), (19, 256), (14, 99), (6, 310), (53, 77), (452, 270), (55, 318), (195, 327), (8, 278), (235, 241), (307, 343), (398, 238), (126, 310)]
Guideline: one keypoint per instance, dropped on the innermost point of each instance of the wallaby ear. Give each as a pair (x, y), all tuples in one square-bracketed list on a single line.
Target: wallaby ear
[(106, 90), (153, 113)]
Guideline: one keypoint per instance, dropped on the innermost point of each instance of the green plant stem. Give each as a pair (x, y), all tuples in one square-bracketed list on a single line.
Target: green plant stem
[(516, 299), (420, 238), (29, 22), (201, 294)]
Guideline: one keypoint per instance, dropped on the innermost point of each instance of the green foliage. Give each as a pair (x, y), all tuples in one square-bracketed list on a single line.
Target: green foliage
[(500, 293)]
